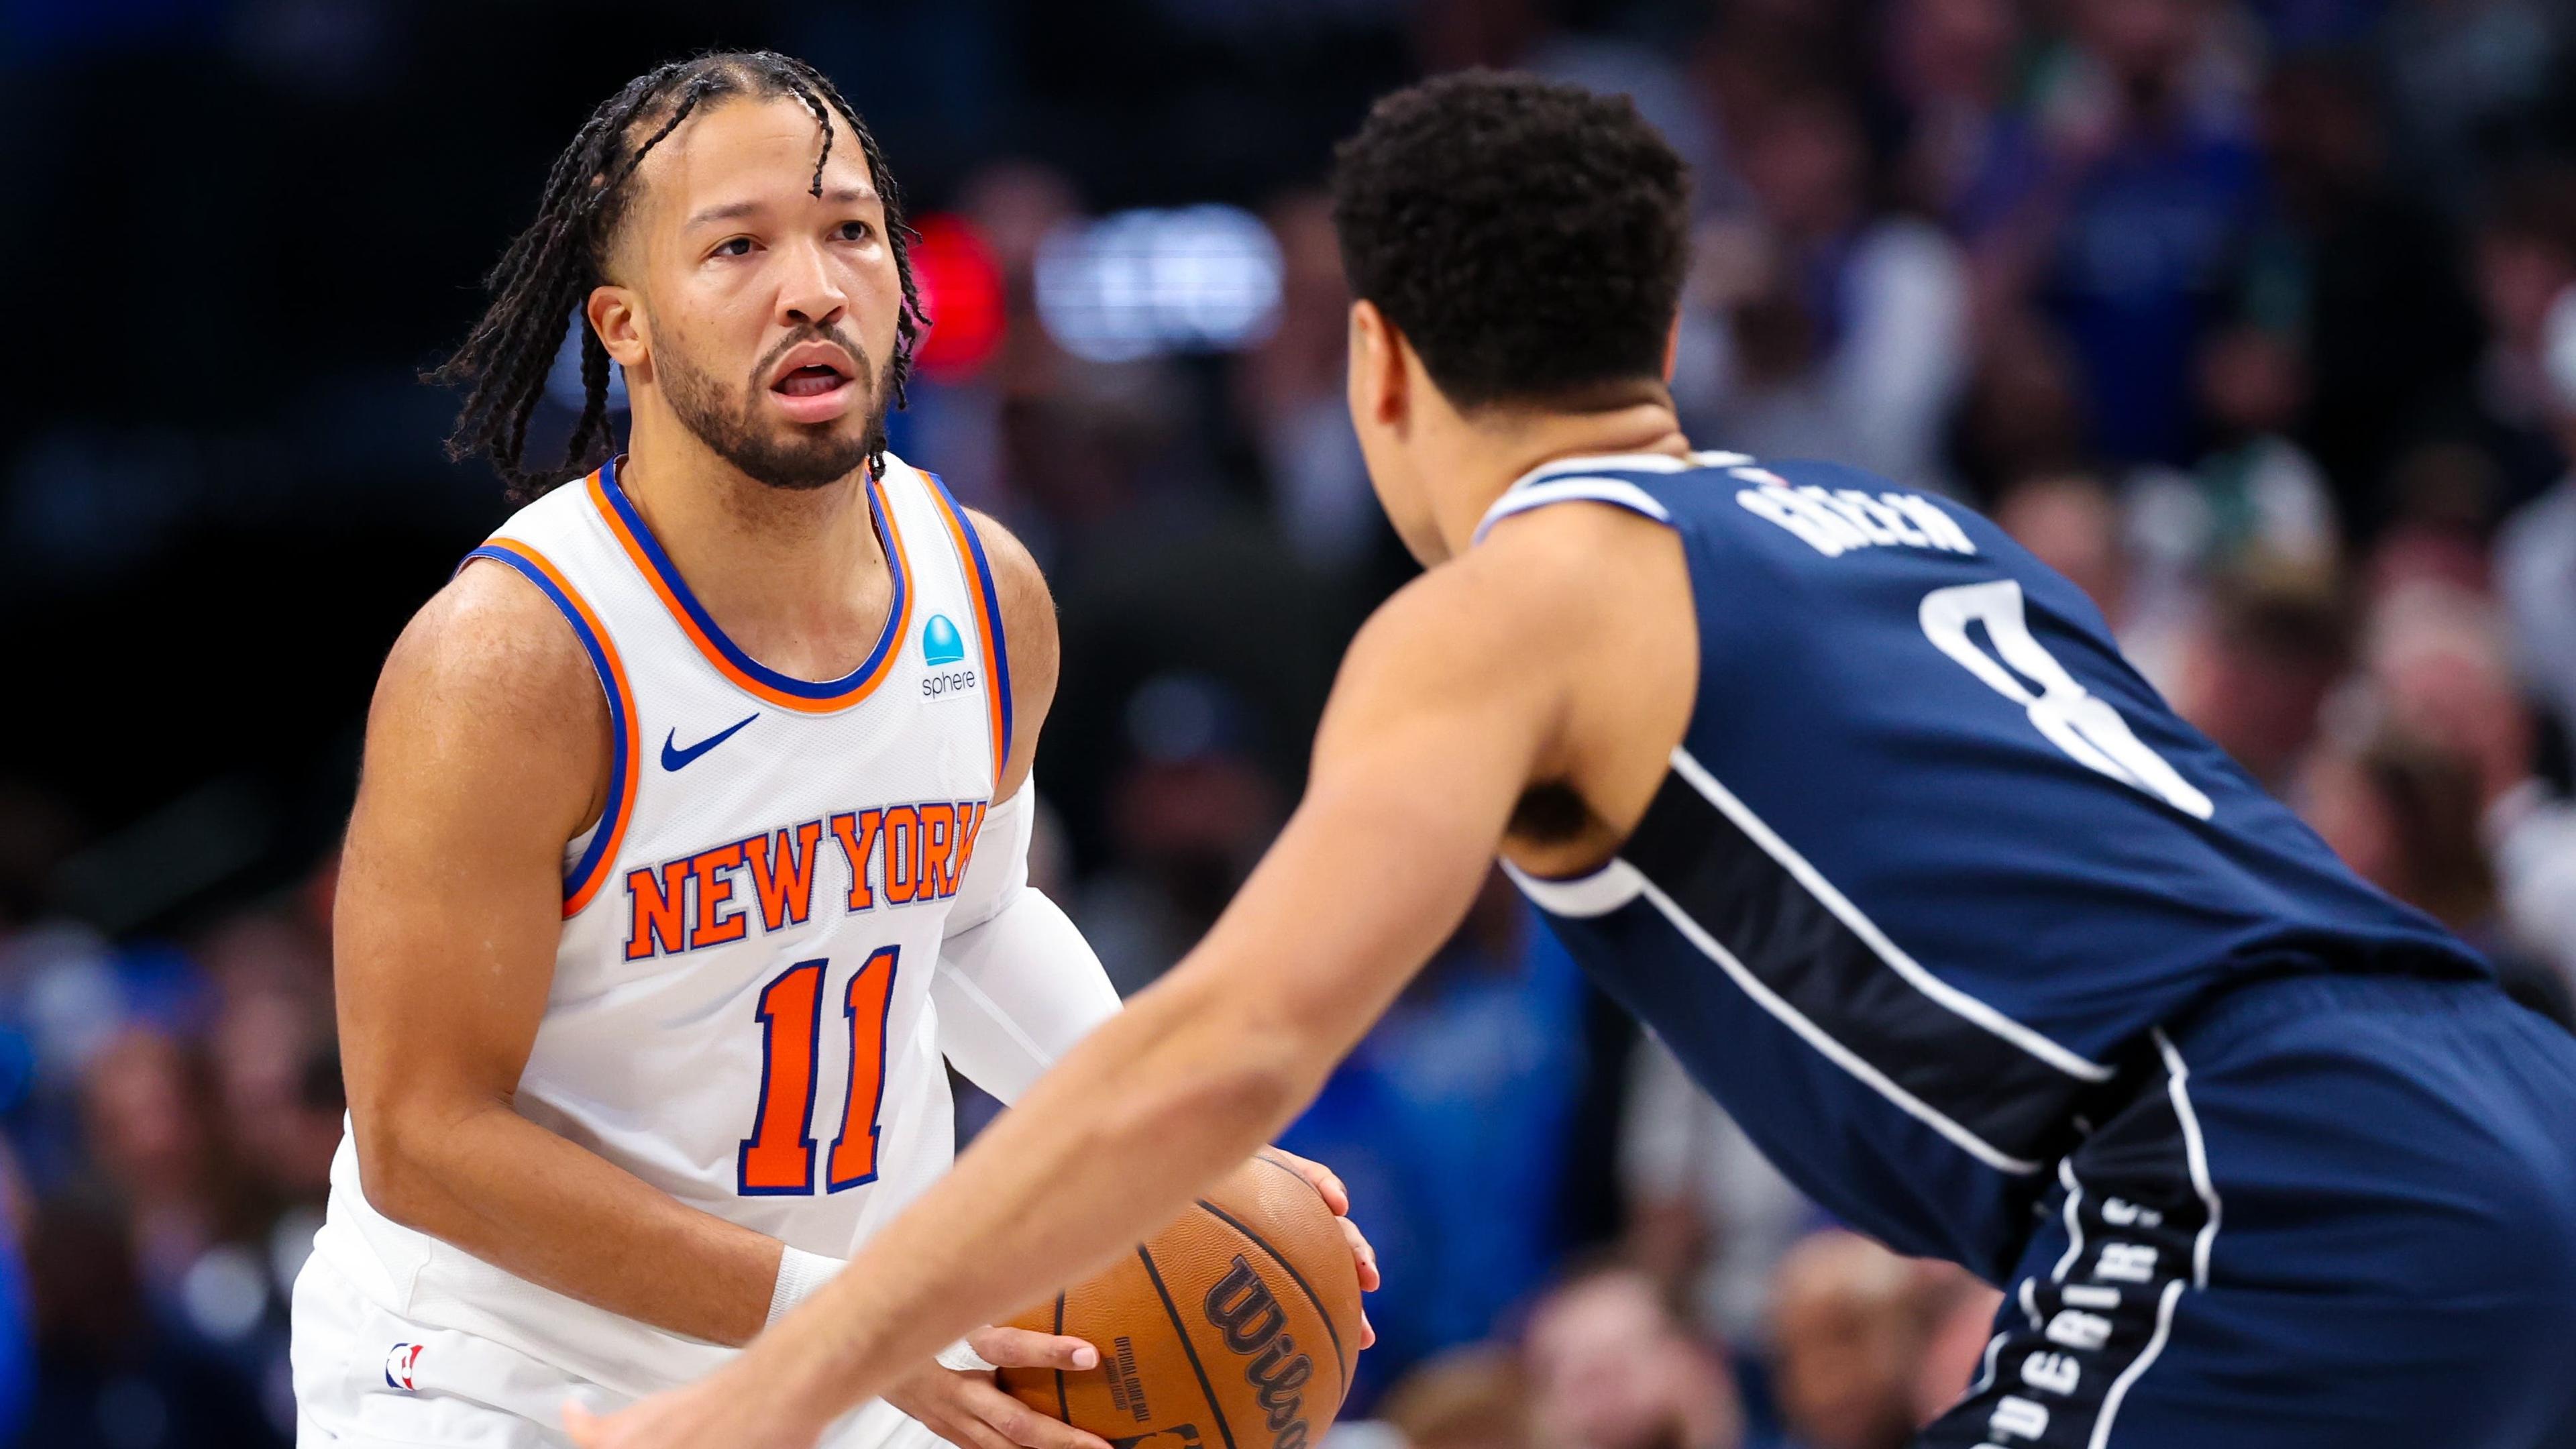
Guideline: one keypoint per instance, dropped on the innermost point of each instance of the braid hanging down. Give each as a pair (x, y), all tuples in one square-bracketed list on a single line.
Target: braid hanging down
[(550, 269)]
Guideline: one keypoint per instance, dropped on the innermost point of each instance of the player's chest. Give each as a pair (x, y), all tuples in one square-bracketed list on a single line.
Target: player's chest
[(758, 825)]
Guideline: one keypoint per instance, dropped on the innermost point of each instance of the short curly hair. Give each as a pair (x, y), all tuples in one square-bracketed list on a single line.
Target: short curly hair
[(1528, 238)]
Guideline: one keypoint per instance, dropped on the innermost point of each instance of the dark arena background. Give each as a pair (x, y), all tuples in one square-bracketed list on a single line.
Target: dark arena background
[(2257, 318)]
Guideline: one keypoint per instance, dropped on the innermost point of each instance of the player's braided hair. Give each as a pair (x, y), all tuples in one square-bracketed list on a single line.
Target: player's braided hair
[(541, 282)]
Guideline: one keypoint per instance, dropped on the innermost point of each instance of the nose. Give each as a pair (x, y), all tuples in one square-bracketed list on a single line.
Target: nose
[(809, 290)]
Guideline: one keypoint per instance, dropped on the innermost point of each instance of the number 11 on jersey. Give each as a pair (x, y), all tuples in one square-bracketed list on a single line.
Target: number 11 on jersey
[(778, 1157)]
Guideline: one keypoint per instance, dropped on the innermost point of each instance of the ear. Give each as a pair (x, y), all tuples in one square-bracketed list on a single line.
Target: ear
[(616, 314), (1672, 347), (1378, 381)]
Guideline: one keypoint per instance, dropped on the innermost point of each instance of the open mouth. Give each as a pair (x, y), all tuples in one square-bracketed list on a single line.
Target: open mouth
[(812, 380)]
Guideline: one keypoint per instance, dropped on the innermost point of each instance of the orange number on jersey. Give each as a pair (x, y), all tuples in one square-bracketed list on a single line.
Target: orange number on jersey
[(870, 999), (778, 1158)]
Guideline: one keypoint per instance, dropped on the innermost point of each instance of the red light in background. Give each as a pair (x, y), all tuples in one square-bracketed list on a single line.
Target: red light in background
[(961, 289)]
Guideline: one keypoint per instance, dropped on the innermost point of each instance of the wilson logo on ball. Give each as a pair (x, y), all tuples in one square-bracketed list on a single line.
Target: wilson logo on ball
[(1244, 1308)]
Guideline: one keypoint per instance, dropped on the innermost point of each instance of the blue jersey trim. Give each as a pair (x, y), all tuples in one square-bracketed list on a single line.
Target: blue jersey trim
[(982, 569), (620, 766), (823, 690)]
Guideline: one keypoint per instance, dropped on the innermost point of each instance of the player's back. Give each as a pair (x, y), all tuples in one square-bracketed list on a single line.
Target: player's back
[(1932, 860), (740, 1009)]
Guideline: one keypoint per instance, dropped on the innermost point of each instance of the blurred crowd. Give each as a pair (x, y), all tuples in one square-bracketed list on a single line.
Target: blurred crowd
[(2257, 318)]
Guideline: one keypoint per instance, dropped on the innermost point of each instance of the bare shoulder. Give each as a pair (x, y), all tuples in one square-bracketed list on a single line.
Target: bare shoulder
[(489, 688), (1566, 641), (1574, 551), (489, 642), (1544, 584), (1028, 606)]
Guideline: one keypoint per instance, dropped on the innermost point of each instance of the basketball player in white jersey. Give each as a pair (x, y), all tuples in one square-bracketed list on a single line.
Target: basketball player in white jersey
[(691, 838)]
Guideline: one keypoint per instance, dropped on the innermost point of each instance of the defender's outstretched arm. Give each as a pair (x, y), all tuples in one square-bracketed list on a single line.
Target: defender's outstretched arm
[(1447, 704)]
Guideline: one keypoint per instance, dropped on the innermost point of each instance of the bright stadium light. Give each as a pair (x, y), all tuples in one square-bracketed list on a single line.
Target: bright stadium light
[(1152, 281)]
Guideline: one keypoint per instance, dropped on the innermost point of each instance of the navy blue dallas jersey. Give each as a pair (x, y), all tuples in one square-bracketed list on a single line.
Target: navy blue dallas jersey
[(1933, 860)]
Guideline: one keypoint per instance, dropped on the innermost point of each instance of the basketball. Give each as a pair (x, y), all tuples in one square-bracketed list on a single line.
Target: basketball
[(1236, 1327)]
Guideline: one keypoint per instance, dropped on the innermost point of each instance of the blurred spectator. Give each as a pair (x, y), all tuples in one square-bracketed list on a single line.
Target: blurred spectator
[(17, 1312), (1290, 389), (1460, 1098), (2257, 498), (2070, 523), (1851, 338), (1971, 155), (1708, 1216), (2404, 813), (1188, 817), (2525, 259), (108, 1375), (2439, 677), (1609, 1368), (2361, 275), (2468, 74), (1849, 1327), (2254, 505), (1466, 1398), (2536, 552), (2256, 669), (148, 1109), (2023, 416), (2154, 188)]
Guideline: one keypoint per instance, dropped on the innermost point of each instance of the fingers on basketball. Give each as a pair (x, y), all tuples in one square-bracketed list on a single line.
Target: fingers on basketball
[(1235, 1327)]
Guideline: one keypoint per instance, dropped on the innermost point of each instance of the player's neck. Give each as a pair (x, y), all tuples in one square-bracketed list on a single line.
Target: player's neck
[(797, 577), (1489, 457)]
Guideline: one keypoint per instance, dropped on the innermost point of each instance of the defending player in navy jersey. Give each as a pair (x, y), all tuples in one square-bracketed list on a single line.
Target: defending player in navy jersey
[(1858, 806)]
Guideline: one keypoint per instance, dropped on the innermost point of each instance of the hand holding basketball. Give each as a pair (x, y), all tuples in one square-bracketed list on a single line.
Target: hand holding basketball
[(1235, 1327), (966, 1409), (1328, 1186)]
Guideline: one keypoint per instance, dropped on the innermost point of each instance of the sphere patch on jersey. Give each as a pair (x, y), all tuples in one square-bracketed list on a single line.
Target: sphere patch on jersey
[(940, 642)]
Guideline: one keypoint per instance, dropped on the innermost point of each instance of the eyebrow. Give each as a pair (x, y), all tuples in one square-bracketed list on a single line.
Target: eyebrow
[(730, 211)]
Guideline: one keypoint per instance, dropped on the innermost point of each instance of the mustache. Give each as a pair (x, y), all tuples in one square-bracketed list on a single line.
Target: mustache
[(836, 335)]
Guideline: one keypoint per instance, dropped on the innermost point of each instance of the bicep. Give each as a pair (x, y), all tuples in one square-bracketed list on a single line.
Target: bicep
[(481, 761), (1440, 717)]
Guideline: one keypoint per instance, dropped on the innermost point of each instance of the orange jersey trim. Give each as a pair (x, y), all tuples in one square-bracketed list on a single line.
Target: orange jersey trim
[(759, 681)]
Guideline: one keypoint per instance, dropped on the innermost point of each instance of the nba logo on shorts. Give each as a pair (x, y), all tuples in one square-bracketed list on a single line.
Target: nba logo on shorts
[(400, 1360)]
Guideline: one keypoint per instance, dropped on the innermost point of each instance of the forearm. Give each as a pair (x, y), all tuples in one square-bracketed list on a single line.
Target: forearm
[(529, 1201), (1196, 1073)]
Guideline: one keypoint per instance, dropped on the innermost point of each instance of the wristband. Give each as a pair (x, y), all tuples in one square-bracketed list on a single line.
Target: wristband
[(799, 1274)]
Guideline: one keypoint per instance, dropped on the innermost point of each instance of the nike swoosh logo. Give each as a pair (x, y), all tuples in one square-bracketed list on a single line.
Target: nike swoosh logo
[(673, 757)]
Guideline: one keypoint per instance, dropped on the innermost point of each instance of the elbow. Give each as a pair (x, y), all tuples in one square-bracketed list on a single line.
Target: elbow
[(395, 1172), (1257, 1078), (1196, 1070), (1257, 1090)]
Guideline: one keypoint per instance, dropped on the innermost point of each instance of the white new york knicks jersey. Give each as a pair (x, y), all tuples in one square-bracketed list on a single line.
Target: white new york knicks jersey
[(741, 1011)]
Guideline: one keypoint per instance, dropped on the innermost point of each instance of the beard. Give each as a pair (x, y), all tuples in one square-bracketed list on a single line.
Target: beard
[(784, 455)]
